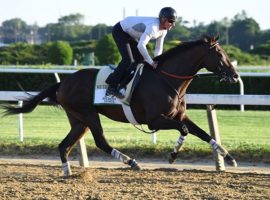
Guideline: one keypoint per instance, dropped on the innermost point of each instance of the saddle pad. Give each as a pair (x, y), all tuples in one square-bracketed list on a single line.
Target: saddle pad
[(101, 86), (100, 97)]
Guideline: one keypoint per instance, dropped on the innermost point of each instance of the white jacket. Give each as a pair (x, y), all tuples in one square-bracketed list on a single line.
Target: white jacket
[(144, 29)]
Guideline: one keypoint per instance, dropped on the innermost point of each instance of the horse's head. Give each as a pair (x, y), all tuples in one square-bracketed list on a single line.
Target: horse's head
[(218, 62)]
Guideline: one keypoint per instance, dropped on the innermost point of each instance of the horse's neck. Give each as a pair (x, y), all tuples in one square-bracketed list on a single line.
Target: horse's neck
[(182, 67), (183, 87), (184, 64)]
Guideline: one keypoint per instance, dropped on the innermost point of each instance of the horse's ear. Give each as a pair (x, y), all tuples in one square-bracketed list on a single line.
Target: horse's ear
[(206, 38), (214, 39)]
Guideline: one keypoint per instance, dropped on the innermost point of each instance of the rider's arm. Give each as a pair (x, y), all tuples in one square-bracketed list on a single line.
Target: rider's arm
[(159, 45), (144, 39)]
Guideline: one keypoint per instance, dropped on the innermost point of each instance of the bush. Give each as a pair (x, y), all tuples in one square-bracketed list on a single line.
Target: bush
[(24, 54), (107, 51), (60, 53), (82, 50), (244, 58)]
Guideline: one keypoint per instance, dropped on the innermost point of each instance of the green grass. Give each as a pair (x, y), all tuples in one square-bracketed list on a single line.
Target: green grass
[(245, 134)]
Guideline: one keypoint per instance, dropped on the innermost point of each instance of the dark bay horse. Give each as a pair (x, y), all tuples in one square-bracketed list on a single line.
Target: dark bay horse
[(158, 101)]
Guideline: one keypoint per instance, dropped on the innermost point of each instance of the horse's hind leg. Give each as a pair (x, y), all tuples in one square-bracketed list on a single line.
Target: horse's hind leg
[(197, 131), (92, 120), (76, 132)]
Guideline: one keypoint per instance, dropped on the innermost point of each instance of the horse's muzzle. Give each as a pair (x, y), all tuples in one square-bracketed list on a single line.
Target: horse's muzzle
[(230, 78)]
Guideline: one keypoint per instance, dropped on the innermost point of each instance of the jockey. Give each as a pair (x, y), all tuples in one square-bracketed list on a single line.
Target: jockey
[(134, 33)]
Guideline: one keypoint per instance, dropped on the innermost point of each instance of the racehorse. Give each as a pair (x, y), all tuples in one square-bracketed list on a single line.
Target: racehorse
[(158, 100)]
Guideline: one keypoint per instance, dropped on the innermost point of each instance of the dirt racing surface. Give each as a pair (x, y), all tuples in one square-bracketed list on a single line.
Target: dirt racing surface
[(37, 181)]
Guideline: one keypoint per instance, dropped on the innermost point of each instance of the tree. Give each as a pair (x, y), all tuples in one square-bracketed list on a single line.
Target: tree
[(243, 58), (73, 19), (14, 30), (24, 54), (106, 51), (99, 31), (60, 53), (218, 29), (180, 31), (263, 49), (68, 28), (244, 31), (197, 31)]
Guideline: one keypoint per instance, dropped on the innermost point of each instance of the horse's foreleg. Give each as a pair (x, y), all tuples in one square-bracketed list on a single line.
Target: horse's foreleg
[(101, 142), (176, 149), (197, 131), (165, 123)]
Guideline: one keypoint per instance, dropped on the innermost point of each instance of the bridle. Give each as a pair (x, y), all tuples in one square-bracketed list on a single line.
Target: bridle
[(186, 77)]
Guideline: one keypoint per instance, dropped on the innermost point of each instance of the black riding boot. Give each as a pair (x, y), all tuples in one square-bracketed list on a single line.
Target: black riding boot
[(113, 91), (113, 81)]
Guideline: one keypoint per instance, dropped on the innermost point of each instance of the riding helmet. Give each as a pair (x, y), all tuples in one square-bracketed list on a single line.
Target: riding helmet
[(168, 13)]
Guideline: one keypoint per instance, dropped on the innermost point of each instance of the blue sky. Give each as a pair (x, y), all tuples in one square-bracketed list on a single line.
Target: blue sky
[(111, 11)]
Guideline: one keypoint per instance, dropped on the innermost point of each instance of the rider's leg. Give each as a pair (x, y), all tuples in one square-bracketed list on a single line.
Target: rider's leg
[(122, 41)]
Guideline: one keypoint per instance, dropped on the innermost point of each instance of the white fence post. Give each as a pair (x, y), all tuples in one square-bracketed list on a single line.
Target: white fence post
[(20, 103), (213, 126), (83, 160), (241, 84), (154, 138), (57, 77)]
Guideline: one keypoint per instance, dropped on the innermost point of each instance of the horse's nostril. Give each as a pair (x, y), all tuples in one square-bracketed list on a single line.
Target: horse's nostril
[(236, 76)]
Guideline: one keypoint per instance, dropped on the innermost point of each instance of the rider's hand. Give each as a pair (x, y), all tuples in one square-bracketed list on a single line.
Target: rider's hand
[(154, 64)]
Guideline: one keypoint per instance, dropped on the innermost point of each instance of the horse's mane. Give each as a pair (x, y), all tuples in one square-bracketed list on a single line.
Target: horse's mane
[(182, 47)]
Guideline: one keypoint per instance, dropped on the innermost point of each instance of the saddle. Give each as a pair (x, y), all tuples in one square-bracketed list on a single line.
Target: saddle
[(130, 82)]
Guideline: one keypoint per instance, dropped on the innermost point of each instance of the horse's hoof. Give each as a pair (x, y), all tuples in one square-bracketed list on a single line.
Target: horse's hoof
[(171, 161), (230, 160), (134, 165), (66, 169), (172, 157)]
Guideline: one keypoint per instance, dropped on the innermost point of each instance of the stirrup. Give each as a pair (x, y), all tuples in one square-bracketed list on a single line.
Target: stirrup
[(111, 91), (119, 95)]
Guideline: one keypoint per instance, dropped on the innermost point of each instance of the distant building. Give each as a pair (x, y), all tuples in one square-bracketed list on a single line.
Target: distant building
[(3, 44)]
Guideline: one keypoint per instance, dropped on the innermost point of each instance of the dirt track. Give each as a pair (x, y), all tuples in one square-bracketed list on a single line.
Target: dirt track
[(37, 181)]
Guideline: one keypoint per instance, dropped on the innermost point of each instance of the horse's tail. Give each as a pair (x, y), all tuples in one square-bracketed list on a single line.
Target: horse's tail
[(32, 102)]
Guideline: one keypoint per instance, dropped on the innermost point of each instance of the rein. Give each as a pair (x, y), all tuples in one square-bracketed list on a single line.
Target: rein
[(176, 76), (175, 90), (182, 77), (171, 86), (192, 76), (142, 129)]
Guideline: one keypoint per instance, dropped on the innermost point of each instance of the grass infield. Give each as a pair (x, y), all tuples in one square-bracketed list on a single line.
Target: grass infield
[(245, 134)]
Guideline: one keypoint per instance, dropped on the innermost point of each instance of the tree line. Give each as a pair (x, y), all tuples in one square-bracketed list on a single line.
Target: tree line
[(241, 35)]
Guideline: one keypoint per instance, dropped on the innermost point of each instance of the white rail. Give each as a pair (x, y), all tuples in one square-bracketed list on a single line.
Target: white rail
[(206, 99), (228, 99), (203, 99), (209, 100)]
